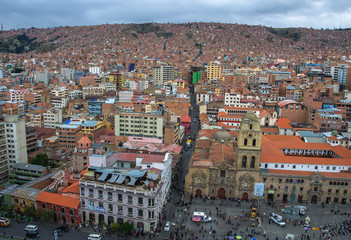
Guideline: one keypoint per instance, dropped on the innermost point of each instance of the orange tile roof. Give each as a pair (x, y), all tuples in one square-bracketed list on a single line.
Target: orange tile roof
[(73, 188), (283, 123), (57, 199), (270, 130)]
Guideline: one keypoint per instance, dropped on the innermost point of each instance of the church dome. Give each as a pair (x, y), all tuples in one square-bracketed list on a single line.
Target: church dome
[(222, 136)]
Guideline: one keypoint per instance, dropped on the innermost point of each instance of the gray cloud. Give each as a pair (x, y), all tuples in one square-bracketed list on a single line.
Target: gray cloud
[(276, 13)]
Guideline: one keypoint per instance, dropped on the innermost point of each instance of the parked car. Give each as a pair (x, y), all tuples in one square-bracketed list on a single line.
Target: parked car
[(31, 228), (94, 236), (32, 234), (167, 226), (207, 219), (277, 219), (4, 222)]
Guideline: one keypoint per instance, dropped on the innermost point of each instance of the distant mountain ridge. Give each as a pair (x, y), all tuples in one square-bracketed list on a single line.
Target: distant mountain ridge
[(224, 39)]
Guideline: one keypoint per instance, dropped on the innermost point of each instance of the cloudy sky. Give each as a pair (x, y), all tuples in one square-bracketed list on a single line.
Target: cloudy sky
[(275, 13)]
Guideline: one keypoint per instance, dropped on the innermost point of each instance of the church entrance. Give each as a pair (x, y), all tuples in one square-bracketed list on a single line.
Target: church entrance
[(198, 193), (245, 196), (221, 193), (314, 199)]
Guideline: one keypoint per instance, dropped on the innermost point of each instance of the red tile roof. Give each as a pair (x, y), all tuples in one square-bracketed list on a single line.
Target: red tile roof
[(59, 200)]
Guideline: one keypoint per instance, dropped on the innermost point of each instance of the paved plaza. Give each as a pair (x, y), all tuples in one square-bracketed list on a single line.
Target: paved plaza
[(228, 216)]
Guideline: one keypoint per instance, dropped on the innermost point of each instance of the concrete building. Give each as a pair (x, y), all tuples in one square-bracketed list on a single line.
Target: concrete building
[(163, 73), (42, 77), (95, 107), (214, 71), (15, 140), (4, 165), (67, 73), (138, 124), (23, 173), (80, 156), (125, 96), (109, 195), (51, 117), (67, 135)]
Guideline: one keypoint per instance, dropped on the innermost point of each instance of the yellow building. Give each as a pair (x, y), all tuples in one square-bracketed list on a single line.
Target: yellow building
[(214, 71), (91, 127), (24, 197), (118, 79)]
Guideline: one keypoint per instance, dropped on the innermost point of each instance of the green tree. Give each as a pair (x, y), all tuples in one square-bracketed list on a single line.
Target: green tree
[(28, 211), (127, 228), (41, 159), (37, 214), (48, 215), (115, 227)]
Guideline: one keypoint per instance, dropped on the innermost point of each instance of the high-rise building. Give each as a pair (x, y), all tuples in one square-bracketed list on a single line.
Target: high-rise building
[(214, 71), (117, 78), (163, 73), (16, 142), (4, 168)]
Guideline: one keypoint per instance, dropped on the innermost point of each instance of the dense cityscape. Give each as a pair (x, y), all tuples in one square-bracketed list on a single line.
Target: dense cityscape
[(175, 131)]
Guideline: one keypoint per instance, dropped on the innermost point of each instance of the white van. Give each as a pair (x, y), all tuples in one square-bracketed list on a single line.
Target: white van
[(94, 236), (31, 228)]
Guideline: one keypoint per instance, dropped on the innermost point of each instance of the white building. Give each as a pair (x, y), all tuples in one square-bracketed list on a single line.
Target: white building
[(51, 117), (15, 140), (95, 70), (117, 195), (162, 74), (76, 94)]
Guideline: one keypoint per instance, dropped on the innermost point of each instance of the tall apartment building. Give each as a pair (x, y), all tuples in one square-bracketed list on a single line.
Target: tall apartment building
[(67, 135), (117, 78), (125, 96), (16, 142), (51, 117), (163, 73), (142, 125), (42, 77), (60, 92), (67, 73), (214, 71), (339, 74), (31, 139), (4, 168)]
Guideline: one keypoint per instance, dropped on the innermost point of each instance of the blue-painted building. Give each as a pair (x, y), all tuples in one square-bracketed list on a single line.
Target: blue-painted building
[(95, 107)]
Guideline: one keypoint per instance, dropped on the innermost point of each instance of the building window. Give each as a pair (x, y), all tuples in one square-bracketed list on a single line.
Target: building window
[(44, 205), (294, 166), (120, 209), (109, 195), (82, 191), (91, 192), (83, 204), (245, 142), (140, 213), (250, 126), (120, 197), (130, 211), (100, 194), (130, 199), (301, 189), (315, 189), (254, 142), (222, 173), (140, 201), (110, 208), (71, 212), (243, 162), (24, 202), (253, 162), (151, 202), (62, 210)]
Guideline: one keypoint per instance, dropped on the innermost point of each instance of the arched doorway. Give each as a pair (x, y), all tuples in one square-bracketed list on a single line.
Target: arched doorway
[(245, 196), (221, 193), (314, 199), (198, 193)]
